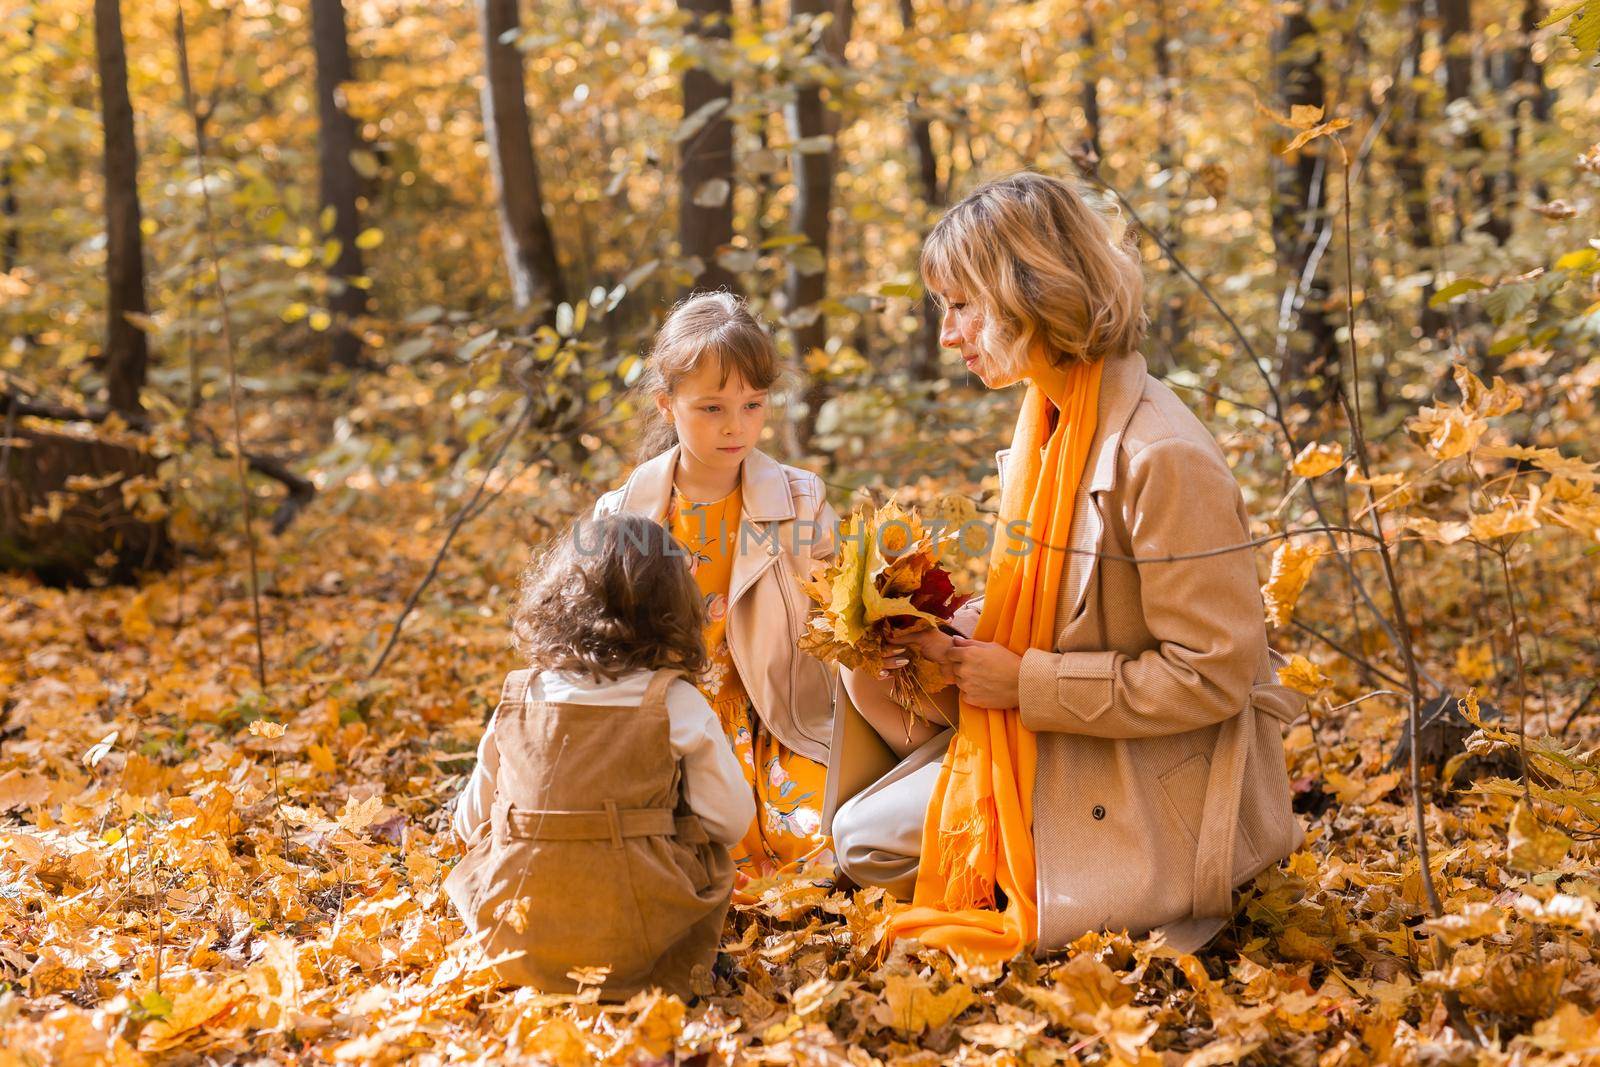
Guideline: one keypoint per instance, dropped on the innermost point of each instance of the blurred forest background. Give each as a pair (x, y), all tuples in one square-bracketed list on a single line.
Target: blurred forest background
[(392, 266)]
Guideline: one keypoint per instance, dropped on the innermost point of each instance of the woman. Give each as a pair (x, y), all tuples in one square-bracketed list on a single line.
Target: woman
[(1118, 760)]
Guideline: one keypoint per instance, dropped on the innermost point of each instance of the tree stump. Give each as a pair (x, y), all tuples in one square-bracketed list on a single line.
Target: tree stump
[(76, 508)]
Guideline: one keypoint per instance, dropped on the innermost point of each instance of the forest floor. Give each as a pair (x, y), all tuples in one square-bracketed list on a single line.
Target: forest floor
[(194, 870)]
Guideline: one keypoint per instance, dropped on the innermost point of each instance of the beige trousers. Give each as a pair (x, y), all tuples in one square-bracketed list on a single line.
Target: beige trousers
[(877, 834)]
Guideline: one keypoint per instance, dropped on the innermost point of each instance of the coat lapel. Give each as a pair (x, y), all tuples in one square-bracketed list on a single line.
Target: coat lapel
[(1121, 387)]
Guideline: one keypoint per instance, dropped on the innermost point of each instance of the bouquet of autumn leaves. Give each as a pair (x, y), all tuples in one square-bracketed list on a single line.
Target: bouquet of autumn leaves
[(887, 574)]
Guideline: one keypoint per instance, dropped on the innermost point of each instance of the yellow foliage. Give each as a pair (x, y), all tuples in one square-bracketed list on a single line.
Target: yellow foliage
[(1291, 570)]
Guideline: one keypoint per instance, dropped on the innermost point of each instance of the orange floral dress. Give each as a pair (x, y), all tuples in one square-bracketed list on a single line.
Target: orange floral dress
[(786, 836)]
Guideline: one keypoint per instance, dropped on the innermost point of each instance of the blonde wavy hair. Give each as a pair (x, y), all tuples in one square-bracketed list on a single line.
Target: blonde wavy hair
[(1042, 264)]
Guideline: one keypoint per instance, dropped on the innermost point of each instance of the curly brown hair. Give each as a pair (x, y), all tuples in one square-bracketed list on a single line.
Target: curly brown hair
[(610, 596)]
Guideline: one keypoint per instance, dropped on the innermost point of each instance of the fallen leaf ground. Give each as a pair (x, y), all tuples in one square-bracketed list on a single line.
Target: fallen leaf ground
[(180, 883)]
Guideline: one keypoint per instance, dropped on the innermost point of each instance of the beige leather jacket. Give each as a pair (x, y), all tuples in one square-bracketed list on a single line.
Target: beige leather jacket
[(786, 521)]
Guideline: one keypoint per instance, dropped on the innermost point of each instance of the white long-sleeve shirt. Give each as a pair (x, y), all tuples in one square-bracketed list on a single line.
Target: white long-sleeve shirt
[(714, 787)]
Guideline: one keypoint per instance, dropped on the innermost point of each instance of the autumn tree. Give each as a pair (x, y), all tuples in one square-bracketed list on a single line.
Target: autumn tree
[(127, 353), (705, 149), (811, 131), (339, 183), (1405, 134), (925, 165), (1299, 205), (525, 237)]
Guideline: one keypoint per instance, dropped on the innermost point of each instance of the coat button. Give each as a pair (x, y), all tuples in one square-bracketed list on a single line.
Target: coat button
[(1099, 811)]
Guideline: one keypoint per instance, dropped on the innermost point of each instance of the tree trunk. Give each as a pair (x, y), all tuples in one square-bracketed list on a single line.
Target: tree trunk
[(813, 170), (127, 352), (11, 245), (339, 184), (1311, 368), (1168, 160), (925, 164), (705, 161), (525, 236), (1405, 134), (1087, 49), (1476, 190), (70, 536), (1519, 79)]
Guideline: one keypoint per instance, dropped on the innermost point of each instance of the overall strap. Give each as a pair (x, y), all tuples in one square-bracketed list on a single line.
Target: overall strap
[(655, 695)]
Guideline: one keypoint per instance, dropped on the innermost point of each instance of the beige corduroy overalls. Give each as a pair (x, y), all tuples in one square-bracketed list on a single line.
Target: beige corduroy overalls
[(588, 828)]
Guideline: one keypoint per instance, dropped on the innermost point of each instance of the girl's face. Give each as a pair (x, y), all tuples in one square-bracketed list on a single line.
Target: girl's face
[(961, 328), (718, 422)]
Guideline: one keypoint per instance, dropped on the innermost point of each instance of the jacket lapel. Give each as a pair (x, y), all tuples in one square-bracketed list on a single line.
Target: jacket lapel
[(766, 503), (649, 487)]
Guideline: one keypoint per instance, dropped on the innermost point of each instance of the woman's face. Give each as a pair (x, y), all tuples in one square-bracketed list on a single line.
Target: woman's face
[(718, 422), (961, 328)]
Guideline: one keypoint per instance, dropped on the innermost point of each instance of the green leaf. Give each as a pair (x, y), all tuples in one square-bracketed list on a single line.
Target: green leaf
[(1584, 32), (155, 1005), (1508, 301), (1453, 290), (1508, 344)]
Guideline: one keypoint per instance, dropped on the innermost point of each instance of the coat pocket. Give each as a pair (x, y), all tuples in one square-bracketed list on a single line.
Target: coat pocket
[(1184, 789), (1086, 687)]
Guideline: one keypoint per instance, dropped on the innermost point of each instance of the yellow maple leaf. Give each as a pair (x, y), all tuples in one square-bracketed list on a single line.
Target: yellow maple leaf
[(1474, 662), (1477, 919), (1533, 847), (1302, 676), (1361, 791), (1447, 431), (1570, 1030), (357, 815), (1315, 460), (192, 1009), (559, 1041), (1510, 518), (911, 1006), (1291, 570)]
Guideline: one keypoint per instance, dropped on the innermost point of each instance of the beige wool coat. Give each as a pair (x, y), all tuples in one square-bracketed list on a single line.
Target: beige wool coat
[(786, 523), (593, 858), (1161, 776)]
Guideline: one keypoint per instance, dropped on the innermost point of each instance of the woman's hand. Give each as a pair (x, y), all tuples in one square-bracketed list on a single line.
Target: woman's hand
[(934, 645), (988, 674)]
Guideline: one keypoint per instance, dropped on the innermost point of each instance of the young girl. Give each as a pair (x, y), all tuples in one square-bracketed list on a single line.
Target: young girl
[(598, 817), (752, 526)]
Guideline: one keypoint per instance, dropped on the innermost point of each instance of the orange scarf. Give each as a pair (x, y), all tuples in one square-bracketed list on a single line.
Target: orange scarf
[(979, 828)]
